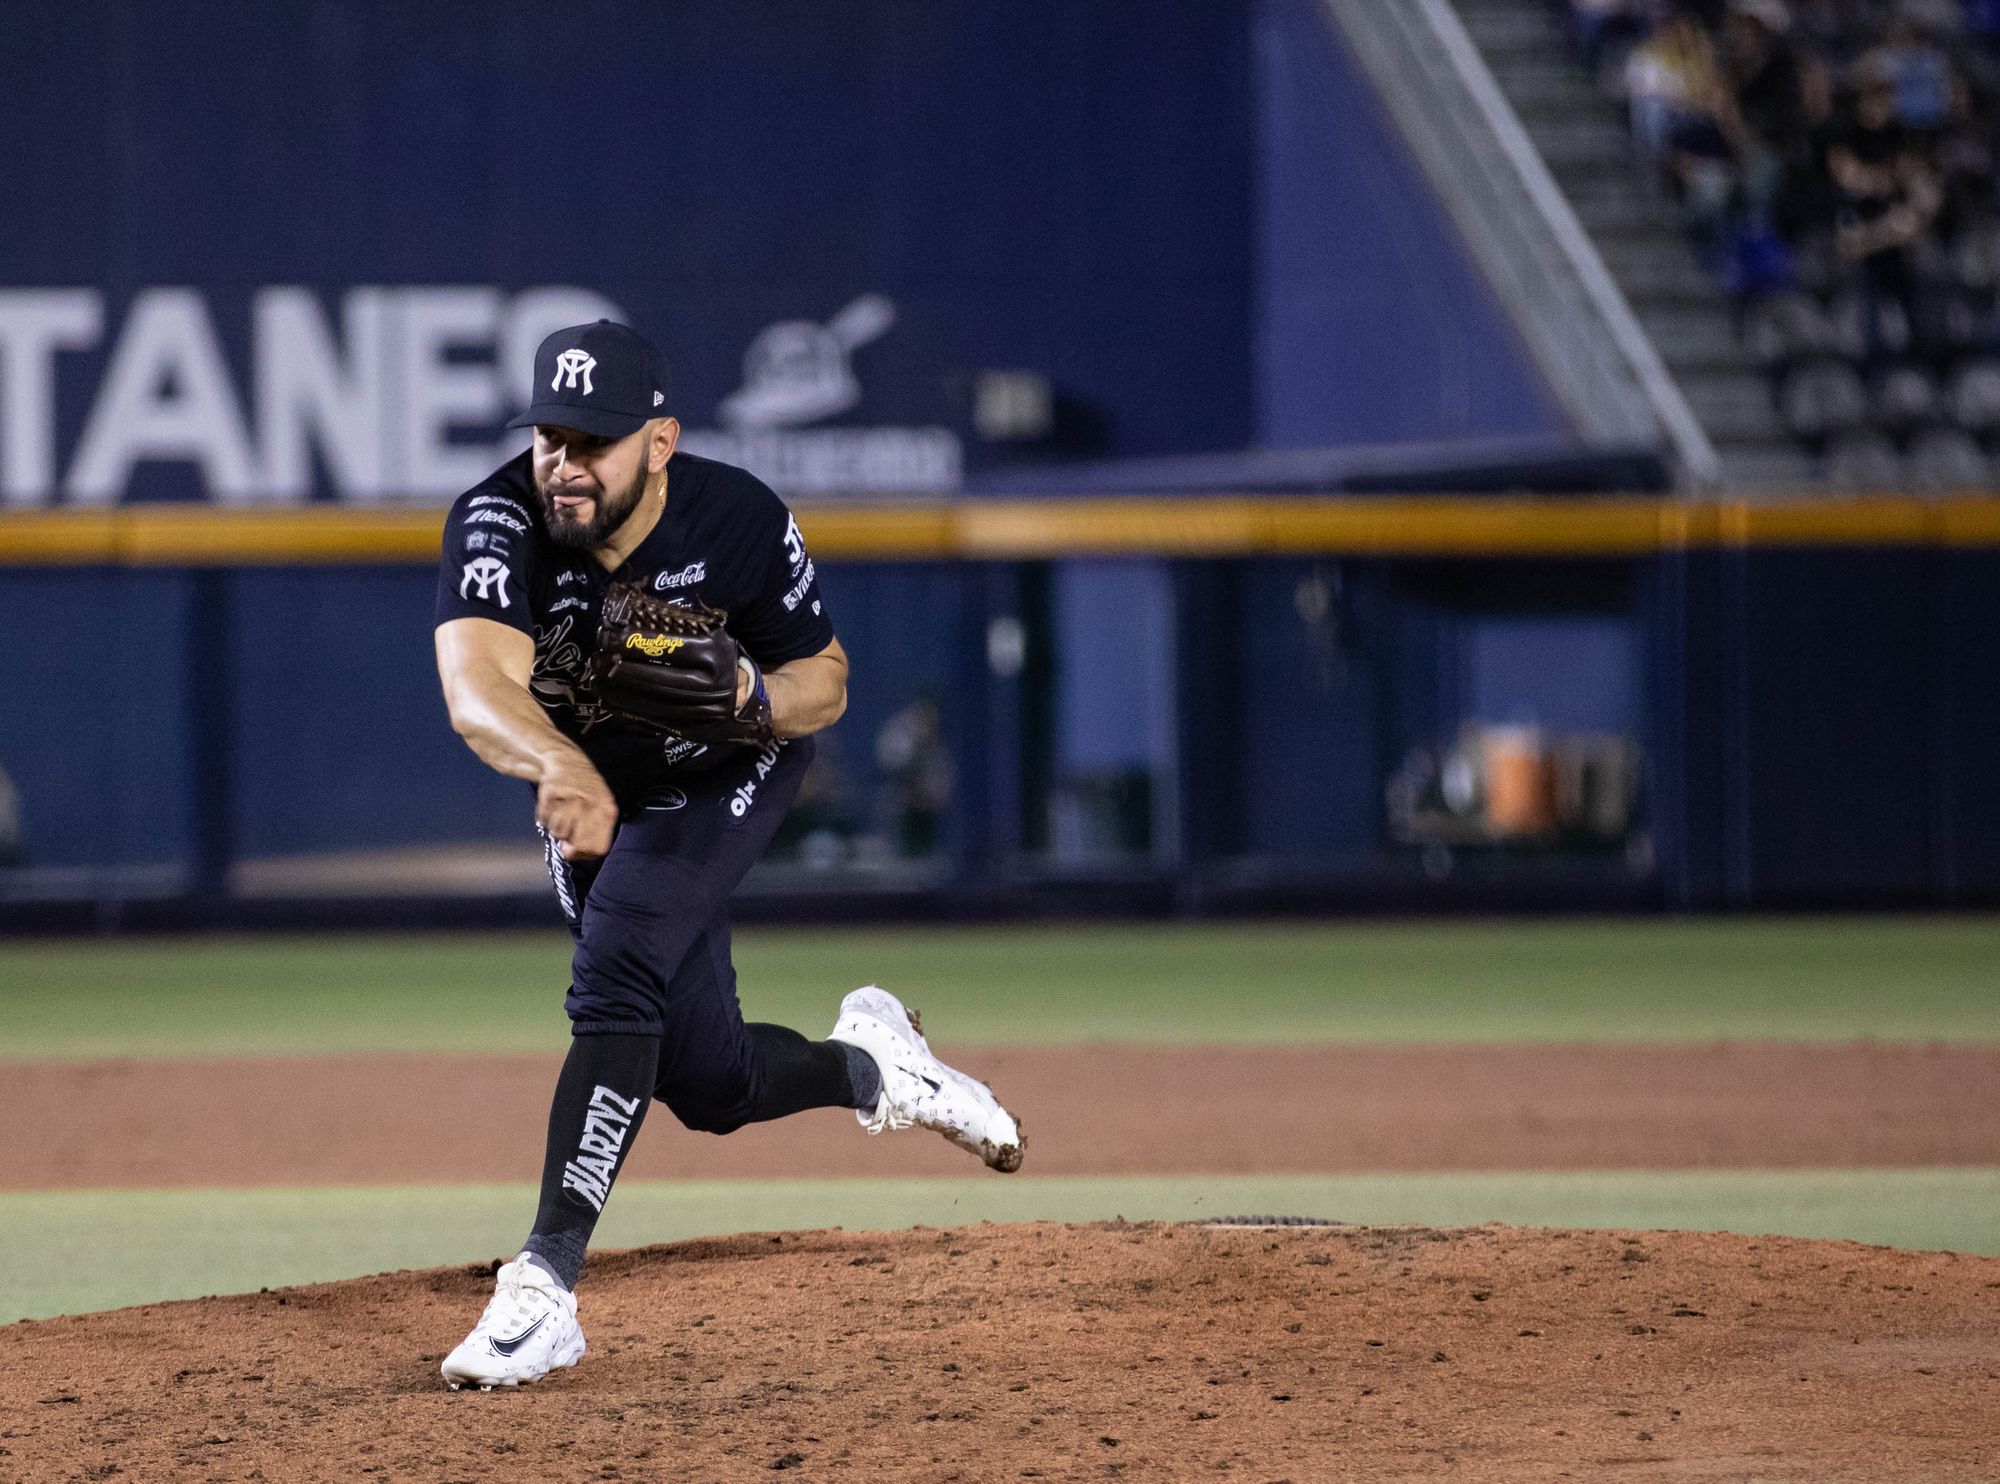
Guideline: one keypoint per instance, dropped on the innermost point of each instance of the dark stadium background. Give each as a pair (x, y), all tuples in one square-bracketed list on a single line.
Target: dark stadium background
[(1213, 519)]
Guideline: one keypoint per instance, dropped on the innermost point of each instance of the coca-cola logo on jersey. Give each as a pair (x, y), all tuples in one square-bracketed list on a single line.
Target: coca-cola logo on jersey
[(688, 576)]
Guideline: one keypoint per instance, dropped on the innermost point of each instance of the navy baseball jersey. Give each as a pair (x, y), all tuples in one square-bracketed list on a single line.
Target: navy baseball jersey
[(725, 538)]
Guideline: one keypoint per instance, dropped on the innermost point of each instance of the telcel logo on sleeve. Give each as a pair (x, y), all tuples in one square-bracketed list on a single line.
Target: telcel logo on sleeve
[(654, 645)]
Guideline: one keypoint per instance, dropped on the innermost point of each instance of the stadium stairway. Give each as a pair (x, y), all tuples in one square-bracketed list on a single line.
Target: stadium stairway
[(1584, 141)]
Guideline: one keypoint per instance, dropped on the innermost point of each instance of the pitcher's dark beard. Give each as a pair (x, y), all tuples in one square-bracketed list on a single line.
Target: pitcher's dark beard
[(608, 513)]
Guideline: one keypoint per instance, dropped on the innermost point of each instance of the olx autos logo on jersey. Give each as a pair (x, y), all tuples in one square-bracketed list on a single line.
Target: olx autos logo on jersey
[(396, 394), (798, 372)]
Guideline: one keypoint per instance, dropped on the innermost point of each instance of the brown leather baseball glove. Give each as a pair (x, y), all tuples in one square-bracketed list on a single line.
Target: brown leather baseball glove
[(675, 667)]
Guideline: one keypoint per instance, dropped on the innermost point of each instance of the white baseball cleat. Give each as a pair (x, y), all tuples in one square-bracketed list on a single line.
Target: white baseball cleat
[(528, 1330), (921, 1091)]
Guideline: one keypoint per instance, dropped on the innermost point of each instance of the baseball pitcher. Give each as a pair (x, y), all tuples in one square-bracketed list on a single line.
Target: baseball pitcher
[(639, 634)]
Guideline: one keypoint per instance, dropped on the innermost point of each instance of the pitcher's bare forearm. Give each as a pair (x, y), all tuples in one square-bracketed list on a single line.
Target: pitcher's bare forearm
[(506, 727), (808, 695), (485, 668)]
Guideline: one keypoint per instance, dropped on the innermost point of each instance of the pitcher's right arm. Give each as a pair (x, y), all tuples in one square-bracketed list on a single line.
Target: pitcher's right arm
[(484, 668)]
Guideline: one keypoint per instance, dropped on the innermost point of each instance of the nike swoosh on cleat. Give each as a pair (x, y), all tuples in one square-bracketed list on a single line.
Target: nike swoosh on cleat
[(933, 1086), (508, 1347)]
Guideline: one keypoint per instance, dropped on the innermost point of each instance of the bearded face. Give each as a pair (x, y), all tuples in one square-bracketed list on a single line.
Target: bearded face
[(583, 523), (588, 486)]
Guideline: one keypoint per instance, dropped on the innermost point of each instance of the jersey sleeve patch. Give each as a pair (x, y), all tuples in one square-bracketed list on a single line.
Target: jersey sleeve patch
[(485, 568), (787, 618)]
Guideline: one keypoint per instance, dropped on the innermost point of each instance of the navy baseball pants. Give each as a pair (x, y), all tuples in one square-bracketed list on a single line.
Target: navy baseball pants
[(652, 997), (651, 922)]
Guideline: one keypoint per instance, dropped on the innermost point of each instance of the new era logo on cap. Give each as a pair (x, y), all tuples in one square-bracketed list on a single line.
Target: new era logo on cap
[(603, 379)]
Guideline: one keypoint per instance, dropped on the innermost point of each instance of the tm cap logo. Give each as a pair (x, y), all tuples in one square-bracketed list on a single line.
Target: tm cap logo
[(570, 365)]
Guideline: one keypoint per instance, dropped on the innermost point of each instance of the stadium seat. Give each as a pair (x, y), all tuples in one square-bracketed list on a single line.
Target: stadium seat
[(1975, 258), (1788, 328), (1962, 326), (1946, 459), (1905, 398), (1972, 397), (1850, 318), (1816, 261), (1944, 19), (1863, 460), (1822, 398)]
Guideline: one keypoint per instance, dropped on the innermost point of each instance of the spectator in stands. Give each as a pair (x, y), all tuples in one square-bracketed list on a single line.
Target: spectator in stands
[(1762, 109), (1844, 156), (1918, 74), (823, 820), (1888, 193), (1671, 84), (1943, 21), (1982, 21), (1681, 107), (1607, 30)]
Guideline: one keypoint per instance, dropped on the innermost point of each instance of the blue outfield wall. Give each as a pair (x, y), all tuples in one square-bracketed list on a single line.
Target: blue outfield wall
[(1965, 703), (1833, 718), (312, 693), (337, 736), (1816, 725), (102, 765), (1826, 721)]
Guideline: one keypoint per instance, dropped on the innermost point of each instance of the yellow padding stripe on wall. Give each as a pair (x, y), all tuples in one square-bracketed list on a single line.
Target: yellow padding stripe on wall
[(204, 535), (1208, 526)]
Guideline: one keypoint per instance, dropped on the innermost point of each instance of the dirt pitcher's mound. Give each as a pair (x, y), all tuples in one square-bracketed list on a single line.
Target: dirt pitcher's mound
[(1070, 1352)]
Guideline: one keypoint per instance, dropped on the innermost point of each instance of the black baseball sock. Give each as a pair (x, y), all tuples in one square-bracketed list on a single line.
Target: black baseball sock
[(801, 1074), (864, 1077), (599, 1104)]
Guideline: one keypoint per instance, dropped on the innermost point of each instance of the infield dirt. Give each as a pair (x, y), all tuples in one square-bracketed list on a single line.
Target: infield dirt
[(1054, 1352), (1069, 1353), (1088, 1110)]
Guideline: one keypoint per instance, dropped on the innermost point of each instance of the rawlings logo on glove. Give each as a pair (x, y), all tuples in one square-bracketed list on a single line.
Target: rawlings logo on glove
[(653, 645), (675, 667)]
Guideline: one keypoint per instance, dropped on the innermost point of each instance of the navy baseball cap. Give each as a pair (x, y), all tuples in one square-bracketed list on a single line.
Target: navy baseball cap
[(603, 379)]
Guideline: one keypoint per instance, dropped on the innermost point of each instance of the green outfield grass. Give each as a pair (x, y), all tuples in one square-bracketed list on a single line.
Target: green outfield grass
[(1904, 978), (75, 1251)]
